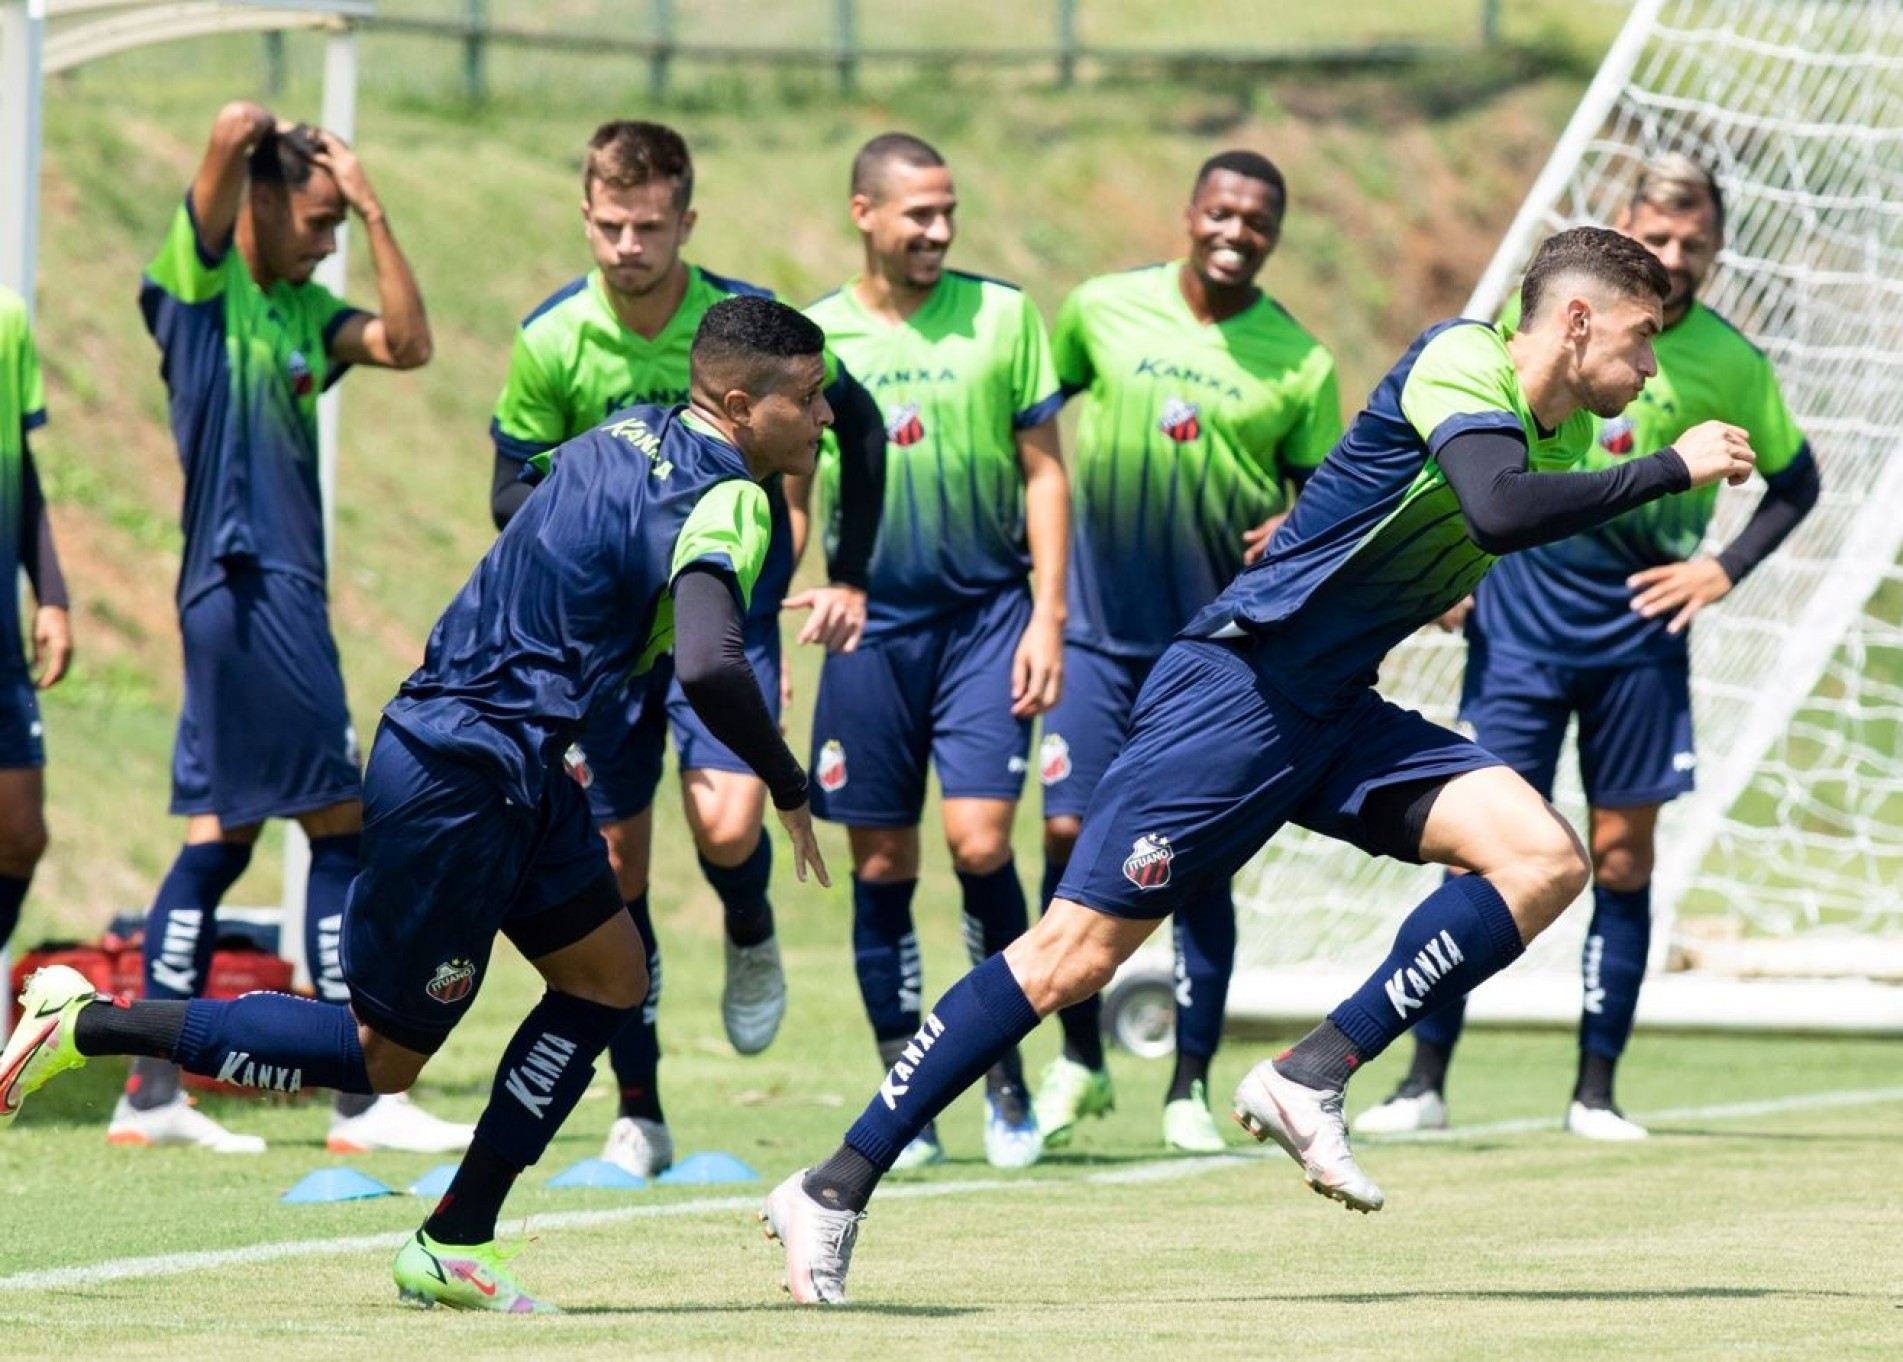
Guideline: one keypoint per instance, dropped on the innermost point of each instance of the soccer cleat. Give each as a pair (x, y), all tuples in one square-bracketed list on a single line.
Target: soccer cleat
[(42, 1044), (176, 1122), (1404, 1113), (1012, 1139), (472, 1277), (1308, 1124), (754, 998), (1603, 1123), (818, 1241), (639, 1146), (1067, 1093), (394, 1122), (922, 1151), (1189, 1126)]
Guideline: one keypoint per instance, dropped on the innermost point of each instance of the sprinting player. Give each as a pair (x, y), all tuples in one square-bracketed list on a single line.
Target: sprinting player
[(26, 541), (651, 529), (1203, 402), (960, 654), (247, 345), (617, 337), (1264, 712), (1599, 627)]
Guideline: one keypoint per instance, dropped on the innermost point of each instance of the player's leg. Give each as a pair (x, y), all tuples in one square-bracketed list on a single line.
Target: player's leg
[(1204, 935), (22, 799)]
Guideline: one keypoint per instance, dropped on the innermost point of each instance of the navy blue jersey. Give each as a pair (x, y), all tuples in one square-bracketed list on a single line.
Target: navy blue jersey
[(572, 601)]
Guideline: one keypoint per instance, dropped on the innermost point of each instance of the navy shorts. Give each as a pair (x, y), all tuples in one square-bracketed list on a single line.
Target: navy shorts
[(939, 692), (448, 863), (1217, 760), (265, 731), (1635, 723), (21, 744), (1083, 731)]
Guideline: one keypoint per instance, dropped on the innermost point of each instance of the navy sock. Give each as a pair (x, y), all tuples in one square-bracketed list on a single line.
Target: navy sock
[(980, 1018), (995, 911), (12, 895), (544, 1071), (635, 1051), (1457, 937), (1614, 967), (1435, 1036), (334, 863), (274, 1041), (1081, 1023), (885, 955), (1205, 939), (745, 910), (180, 929)]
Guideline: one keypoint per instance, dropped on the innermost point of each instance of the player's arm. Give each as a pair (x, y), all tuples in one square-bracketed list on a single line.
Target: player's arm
[(839, 608), (217, 190), (52, 622), (530, 419), (1037, 668), (1302, 451), (398, 336)]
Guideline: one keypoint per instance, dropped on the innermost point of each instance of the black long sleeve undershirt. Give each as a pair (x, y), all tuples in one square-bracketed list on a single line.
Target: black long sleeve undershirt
[(860, 430), (1509, 507), (710, 662), (1789, 497), (507, 491), (37, 552)]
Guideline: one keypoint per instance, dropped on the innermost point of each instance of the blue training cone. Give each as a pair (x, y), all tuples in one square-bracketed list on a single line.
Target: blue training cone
[(435, 1182), (597, 1173), (335, 1184), (711, 1166)]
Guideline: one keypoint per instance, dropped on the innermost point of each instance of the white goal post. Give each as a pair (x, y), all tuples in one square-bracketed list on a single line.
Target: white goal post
[(1779, 892)]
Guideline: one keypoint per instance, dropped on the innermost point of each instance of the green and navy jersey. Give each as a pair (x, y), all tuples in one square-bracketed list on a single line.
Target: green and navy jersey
[(1186, 437), (956, 381), (574, 365), (1569, 600), (1377, 545), (22, 409), (573, 600), (243, 369)]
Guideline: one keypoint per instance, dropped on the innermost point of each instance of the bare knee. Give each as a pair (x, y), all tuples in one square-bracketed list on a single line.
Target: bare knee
[(1060, 838), (980, 852), (1069, 954), (1622, 869), (728, 841), (884, 855), (725, 811), (978, 832), (1542, 880), (392, 1067), (22, 843)]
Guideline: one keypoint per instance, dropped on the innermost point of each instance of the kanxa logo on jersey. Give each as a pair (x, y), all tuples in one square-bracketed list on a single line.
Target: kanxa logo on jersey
[(452, 981), (831, 772), (299, 369), (1148, 864), (1617, 435), (904, 428), (1181, 420), (1053, 759)]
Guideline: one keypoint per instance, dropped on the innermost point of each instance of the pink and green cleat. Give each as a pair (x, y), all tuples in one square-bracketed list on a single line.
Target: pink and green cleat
[(463, 1277), (42, 1044)]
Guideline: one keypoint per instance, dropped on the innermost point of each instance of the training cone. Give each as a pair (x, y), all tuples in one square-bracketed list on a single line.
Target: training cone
[(708, 1167), (435, 1182), (597, 1173), (335, 1184)]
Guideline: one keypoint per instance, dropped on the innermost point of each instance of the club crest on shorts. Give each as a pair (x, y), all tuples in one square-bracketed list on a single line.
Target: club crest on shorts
[(575, 762), (905, 428), (831, 773), (1053, 759), (1148, 864), (1180, 420), (452, 981), (1617, 435)]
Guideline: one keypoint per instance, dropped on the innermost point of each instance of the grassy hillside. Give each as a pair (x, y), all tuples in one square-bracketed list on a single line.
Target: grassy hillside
[(1401, 182)]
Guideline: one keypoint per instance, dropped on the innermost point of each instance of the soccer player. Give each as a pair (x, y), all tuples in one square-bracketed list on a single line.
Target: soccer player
[(1264, 712), (651, 529), (248, 342), (617, 337), (960, 654), (1203, 401), (1599, 627), (26, 540)]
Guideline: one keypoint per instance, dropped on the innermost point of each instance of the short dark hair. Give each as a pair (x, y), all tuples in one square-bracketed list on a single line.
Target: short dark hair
[(1252, 165), (868, 167), (742, 339), (627, 153), (1606, 257), (285, 160)]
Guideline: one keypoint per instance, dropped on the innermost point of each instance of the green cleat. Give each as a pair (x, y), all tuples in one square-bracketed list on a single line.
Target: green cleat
[(463, 1277), (42, 1044), (1188, 1125), (1067, 1093)]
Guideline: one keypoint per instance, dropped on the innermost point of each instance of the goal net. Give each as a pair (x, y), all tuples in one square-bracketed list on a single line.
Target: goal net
[(1779, 890)]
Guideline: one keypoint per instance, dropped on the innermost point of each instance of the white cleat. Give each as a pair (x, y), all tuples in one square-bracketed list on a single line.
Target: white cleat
[(1602, 1123), (639, 1146), (1402, 1115), (1012, 1143), (818, 1241), (754, 999), (176, 1122), (1307, 1123), (396, 1123)]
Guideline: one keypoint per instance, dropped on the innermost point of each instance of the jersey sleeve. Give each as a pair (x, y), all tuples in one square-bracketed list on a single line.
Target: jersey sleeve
[(1773, 430), (529, 416), (23, 358), (186, 267), (1460, 382), (1070, 352), (729, 528), (326, 312), (1319, 429), (1035, 396)]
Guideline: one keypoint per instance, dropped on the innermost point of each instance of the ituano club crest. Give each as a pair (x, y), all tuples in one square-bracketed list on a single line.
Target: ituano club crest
[(1053, 759), (452, 981), (905, 428), (1148, 864), (1616, 436), (1181, 420), (831, 772)]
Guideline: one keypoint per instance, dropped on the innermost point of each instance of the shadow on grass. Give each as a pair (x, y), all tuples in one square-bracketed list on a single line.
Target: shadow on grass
[(1558, 1295), (778, 1308)]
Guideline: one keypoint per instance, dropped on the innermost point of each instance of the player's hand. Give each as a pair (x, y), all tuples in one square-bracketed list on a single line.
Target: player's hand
[(1713, 450), (344, 167), (799, 827), (1255, 542), (1037, 668), (52, 645), (1455, 619), (839, 616), (1686, 588)]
